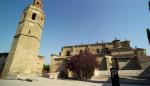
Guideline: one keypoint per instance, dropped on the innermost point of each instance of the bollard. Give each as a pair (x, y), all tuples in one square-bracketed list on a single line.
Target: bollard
[(114, 77)]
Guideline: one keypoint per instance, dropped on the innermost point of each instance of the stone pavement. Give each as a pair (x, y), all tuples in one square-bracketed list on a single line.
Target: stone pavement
[(54, 82), (125, 80)]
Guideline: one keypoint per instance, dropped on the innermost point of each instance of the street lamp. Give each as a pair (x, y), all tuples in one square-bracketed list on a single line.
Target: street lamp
[(149, 4)]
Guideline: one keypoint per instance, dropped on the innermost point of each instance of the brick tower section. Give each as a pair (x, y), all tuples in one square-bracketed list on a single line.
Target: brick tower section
[(22, 59)]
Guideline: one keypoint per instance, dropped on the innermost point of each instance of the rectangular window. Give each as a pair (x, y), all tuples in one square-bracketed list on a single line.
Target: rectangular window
[(29, 32)]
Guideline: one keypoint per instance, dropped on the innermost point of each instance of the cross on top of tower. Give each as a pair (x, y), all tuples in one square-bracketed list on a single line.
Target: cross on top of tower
[(38, 3)]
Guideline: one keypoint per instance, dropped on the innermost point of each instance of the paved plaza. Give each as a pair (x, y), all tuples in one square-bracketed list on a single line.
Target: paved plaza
[(54, 82)]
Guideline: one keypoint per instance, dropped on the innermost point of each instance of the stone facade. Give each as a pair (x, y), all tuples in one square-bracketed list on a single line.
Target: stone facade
[(3, 58), (22, 59), (127, 58), (123, 55), (57, 65), (39, 65)]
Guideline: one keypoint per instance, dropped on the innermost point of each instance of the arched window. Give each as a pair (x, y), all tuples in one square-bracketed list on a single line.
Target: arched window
[(33, 16)]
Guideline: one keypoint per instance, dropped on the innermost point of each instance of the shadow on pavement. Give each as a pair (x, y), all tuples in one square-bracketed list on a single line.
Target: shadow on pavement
[(124, 81), (135, 81), (145, 74), (104, 83)]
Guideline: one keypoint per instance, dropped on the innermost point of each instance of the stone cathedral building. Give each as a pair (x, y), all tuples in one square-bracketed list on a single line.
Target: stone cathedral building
[(123, 55), (23, 58)]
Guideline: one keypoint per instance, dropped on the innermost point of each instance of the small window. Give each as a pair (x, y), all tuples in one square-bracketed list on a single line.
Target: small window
[(68, 53), (81, 52), (41, 18), (29, 32), (142, 53), (33, 16), (37, 3), (98, 51)]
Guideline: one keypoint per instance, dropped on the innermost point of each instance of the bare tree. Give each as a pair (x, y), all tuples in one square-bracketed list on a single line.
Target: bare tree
[(82, 65)]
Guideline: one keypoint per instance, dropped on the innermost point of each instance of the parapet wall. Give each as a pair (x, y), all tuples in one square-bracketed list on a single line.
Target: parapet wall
[(125, 73)]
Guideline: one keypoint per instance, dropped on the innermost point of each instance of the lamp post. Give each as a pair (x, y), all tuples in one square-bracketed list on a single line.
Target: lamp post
[(149, 4), (111, 64), (147, 30), (114, 77), (148, 34)]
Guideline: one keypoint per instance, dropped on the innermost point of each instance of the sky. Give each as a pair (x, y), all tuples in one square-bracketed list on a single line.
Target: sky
[(72, 22)]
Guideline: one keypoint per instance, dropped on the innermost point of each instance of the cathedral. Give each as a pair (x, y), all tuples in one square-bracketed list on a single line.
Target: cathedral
[(121, 53), (23, 58)]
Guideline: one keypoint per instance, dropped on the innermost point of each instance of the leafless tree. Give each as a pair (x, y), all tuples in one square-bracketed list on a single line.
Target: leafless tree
[(83, 64)]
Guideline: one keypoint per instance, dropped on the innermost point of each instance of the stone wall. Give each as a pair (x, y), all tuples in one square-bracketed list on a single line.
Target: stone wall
[(40, 63), (56, 63), (122, 52), (3, 58), (122, 73), (125, 73), (102, 63), (53, 75), (128, 64), (127, 58)]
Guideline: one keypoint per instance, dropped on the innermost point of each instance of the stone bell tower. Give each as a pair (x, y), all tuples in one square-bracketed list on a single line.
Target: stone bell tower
[(22, 59)]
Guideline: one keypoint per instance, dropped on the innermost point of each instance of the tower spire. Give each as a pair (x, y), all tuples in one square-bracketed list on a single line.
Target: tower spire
[(38, 3)]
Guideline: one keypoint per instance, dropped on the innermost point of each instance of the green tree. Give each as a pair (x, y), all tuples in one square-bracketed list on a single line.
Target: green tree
[(46, 68)]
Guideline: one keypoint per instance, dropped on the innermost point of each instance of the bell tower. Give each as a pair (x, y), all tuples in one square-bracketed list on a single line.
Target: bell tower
[(22, 58)]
